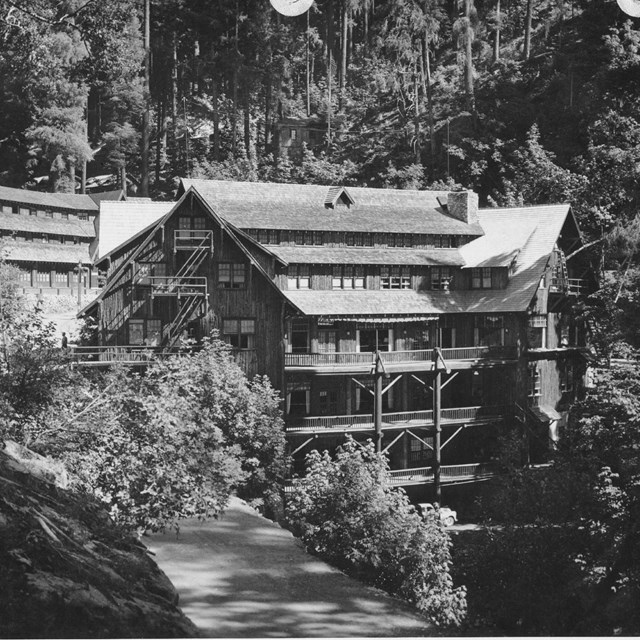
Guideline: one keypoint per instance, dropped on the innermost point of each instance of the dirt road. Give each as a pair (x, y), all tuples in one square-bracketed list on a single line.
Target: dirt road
[(243, 576)]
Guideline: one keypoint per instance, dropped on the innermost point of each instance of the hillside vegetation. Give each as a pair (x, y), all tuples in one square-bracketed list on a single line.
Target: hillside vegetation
[(524, 100)]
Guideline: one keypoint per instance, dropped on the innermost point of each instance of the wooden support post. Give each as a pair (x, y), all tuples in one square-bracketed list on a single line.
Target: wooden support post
[(377, 402), (437, 408)]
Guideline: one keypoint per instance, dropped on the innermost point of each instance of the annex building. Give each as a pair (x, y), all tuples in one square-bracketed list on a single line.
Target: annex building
[(357, 302), (47, 235)]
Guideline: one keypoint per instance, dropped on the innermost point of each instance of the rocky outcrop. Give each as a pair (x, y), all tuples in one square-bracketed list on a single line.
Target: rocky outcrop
[(67, 571)]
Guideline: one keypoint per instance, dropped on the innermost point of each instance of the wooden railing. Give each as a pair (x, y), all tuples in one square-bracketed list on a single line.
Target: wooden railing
[(448, 473), (571, 286), (125, 354), (390, 357), (390, 420)]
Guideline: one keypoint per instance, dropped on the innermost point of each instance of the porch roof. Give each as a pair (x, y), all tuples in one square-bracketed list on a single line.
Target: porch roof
[(69, 254)]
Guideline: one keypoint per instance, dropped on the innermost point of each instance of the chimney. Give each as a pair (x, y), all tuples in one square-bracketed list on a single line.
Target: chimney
[(463, 205)]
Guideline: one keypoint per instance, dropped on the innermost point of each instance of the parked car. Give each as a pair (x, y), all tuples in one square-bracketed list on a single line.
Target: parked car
[(448, 517)]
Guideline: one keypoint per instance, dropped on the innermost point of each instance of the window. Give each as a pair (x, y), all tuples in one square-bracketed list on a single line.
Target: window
[(293, 134), (348, 277), (64, 216), (566, 377), (489, 331), (33, 212), (239, 333), (48, 214), (299, 336), (481, 278), (24, 211), (146, 269), (147, 331), (83, 216), (441, 278), (328, 403), (232, 275), (326, 341), (273, 236), (368, 239), (298, 277), (45, 237), (421, 451), (317, 238), (299, 237), (298, 399), (534, 381), (370, 340), (263, 236), (395, 278)]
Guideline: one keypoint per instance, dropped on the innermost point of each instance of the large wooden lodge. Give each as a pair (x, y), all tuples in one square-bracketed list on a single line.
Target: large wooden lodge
[(345, 295)]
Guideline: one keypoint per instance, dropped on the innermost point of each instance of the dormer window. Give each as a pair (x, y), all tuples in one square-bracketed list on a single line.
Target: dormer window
[(338, 197), (481, 278), (441, 278)]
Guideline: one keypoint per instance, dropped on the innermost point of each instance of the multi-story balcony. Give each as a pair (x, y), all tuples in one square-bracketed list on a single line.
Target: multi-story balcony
[(397, 361), (397, 420)]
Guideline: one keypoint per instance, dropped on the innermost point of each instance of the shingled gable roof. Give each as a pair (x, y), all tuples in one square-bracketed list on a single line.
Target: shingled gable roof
[(337, 193), (121, 221), (67, 201), (265, 205), (69, 254), (529, 267), (54, 226), (146, 235)]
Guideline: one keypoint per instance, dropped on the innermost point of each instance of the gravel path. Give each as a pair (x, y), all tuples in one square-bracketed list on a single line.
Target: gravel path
[(244, 576)]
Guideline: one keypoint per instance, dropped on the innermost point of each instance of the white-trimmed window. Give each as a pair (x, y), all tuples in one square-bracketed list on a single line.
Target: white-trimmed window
[(395, 278), (298, 277), (299, 337), (481, 278), (232, 275), (328, 402), (348, 277), (239, 333)]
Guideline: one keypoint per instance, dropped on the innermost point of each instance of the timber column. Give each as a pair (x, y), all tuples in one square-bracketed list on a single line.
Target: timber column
[(437, 448)]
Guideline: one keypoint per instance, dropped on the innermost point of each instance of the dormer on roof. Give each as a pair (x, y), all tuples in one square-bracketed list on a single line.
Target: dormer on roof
[(338, 196)]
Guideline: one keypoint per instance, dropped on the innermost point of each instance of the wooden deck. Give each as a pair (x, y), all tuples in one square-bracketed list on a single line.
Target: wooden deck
[(397, 420)]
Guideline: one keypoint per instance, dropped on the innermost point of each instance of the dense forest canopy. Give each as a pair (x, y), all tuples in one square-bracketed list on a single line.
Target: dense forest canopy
[(523, 100)]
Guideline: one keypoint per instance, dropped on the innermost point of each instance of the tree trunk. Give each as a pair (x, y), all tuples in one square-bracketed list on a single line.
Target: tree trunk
[(267, 113), (426, 80), (247, 123), (496, 37), (527, 31), (329, 66), (234, 112), (144, 160), (308, 67), (344, 38), (468, 59), (416, 120), (216, 120), (174, 81)]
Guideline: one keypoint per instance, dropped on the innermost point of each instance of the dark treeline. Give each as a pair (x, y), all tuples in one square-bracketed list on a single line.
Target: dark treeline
[(523, 100)]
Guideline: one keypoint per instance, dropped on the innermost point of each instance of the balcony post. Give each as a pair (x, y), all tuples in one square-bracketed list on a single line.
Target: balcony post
[(437, 410), (377, 401)]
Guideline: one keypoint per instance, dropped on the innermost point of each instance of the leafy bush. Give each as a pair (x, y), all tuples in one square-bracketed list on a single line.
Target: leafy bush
[(346, 511)]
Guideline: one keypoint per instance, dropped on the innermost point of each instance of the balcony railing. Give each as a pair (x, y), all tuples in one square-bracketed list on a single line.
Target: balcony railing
[(391, 357), (570, 286), (396, 420), (448, 474), (122, 354)]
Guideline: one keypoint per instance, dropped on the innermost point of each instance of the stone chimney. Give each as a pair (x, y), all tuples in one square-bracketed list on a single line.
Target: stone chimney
[(463, 205)]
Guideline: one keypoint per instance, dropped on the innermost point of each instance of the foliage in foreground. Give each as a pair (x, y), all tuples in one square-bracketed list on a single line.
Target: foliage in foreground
[(566, 557), (171, 443), (346, 511)]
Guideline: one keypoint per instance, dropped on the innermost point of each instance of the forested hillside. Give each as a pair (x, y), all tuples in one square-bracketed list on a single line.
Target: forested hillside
[(522, 100)]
